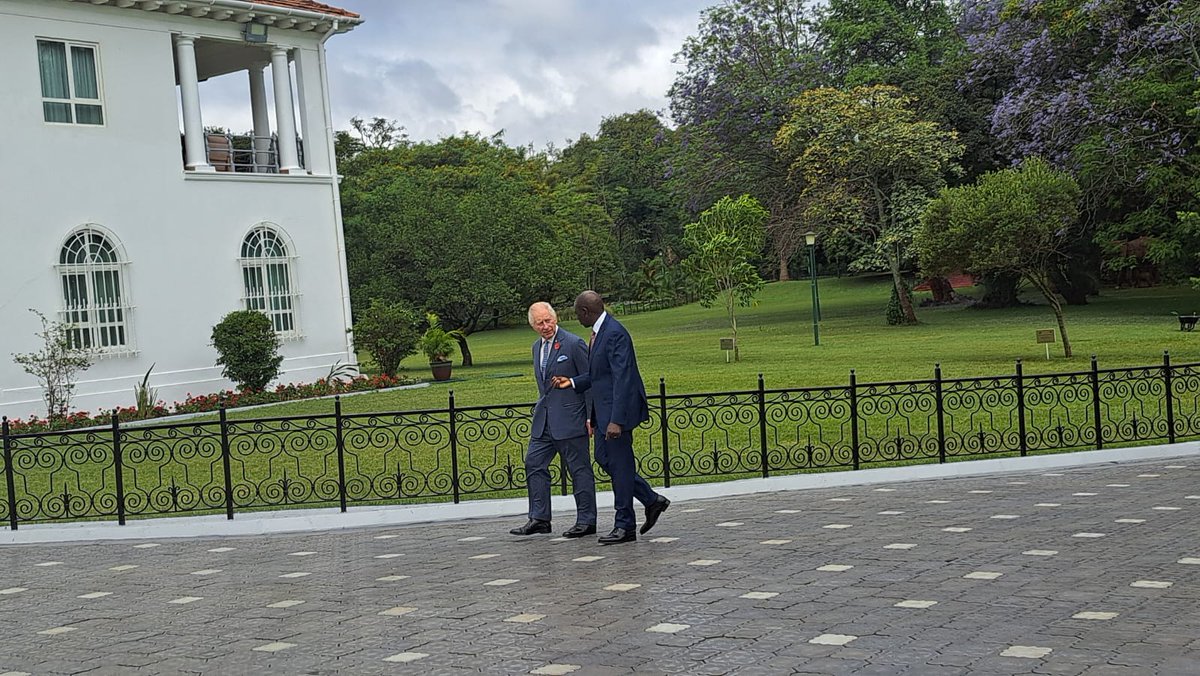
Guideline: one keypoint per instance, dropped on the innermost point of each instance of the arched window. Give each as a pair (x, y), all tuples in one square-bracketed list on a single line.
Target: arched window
[(267, 279), (95, 300)]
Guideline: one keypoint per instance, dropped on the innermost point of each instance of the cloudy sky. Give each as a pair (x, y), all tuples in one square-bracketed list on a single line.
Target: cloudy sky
[(544, 71)]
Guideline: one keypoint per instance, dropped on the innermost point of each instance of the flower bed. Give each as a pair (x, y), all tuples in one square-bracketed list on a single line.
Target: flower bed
[(211, 402)]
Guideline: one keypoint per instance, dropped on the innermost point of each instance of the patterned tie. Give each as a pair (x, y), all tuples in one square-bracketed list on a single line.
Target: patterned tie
[(590, 339), (545, 355)]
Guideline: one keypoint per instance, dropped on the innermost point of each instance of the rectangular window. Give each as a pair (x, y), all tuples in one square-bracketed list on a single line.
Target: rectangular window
[(95, 309), (70, 83), (268, 289)]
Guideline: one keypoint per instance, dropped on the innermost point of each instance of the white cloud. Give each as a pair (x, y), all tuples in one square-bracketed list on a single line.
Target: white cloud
[(543, 70)]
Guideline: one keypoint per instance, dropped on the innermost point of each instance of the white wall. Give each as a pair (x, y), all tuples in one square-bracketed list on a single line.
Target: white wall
[(181, 231)]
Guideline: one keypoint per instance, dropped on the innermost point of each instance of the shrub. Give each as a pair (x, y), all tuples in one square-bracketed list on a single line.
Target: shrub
[(895, 311), (212, 402), (247, 348), (389, 332), (55, 366)]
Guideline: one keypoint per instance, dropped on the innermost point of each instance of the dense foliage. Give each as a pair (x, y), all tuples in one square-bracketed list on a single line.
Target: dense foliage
[(865, 165), (247, 349), (388, 331), (843, 117), (1019, 220)]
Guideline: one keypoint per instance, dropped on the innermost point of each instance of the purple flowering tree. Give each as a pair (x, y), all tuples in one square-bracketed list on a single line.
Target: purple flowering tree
[(748, 60), (1105, 89)]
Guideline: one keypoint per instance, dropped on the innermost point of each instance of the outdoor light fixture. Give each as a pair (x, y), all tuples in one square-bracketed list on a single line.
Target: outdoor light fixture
[(810, 239), (254, 32)]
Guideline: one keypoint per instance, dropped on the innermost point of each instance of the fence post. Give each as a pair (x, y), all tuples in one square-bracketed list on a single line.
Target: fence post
[(854, 418), (225, 463), (1024, 443), (662, 414), (941, 423), (118, 468), (1170, 397), (9, 479), (1096, 403), (762, 426), (341, 451), (454, 483), (562, 473)]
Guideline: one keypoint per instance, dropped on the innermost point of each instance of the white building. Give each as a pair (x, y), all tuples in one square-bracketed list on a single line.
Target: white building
[(121, 216)]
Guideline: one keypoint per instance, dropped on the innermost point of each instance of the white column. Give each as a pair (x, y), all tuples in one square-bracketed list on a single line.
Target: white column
[(189, 91), (262, 118), (285, 117)]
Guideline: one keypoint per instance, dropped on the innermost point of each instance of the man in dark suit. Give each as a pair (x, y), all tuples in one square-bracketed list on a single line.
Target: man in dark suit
[(559, 426), (617, 403)]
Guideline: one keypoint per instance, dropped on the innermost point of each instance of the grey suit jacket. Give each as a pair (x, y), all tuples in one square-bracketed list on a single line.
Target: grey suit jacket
[(560, 413)]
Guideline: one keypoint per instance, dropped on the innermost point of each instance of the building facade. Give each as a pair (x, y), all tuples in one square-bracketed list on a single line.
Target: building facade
[(125, 218)]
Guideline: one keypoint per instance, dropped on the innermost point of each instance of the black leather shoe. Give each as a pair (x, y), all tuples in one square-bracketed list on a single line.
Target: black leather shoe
[(532, 527), (617, 536), (579, 530), (653, 511)]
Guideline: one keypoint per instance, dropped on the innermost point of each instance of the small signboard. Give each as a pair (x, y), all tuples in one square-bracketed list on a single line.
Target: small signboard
[(727, 345), (1046, 337)]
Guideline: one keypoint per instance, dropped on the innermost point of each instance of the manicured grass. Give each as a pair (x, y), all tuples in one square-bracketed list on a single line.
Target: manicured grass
[(400, 457), (1129, 327)]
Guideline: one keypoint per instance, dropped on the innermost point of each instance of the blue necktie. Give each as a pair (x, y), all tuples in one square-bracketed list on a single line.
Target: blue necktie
[(545, 355)]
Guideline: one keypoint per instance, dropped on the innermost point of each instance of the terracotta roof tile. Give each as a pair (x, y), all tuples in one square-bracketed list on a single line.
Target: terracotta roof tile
[(308, 5)]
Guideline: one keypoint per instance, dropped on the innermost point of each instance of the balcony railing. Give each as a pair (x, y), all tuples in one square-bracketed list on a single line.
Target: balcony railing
[(245, 153)]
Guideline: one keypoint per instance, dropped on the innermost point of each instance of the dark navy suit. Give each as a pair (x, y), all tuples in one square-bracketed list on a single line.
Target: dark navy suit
[(559, 426), (616, 394)]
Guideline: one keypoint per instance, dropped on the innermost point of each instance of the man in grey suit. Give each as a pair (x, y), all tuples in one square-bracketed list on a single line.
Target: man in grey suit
[(559, 426)]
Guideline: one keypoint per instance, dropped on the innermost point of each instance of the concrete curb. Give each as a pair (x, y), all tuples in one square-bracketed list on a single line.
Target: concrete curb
[(300, 520)]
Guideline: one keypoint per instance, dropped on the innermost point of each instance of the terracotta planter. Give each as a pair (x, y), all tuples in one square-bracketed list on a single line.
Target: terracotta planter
[(441, 369)]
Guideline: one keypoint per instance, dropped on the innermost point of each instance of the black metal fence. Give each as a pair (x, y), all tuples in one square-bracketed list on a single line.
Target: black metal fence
[(226, 465)]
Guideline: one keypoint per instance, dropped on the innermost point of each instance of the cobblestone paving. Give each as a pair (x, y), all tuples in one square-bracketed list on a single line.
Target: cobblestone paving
[(1084, 571)]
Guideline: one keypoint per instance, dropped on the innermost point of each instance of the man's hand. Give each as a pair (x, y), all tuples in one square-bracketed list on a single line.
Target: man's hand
[(613, 431), (589, 427), (560, 382)]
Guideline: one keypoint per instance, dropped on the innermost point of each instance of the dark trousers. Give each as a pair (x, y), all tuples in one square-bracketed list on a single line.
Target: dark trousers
[(537, 476), (616, 457)]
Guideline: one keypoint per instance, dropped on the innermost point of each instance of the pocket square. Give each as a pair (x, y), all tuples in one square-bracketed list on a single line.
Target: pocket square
[(561, 357)]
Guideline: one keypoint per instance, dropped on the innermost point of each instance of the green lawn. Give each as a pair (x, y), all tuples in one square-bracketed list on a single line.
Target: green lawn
[(414, 454), (1128, 327)]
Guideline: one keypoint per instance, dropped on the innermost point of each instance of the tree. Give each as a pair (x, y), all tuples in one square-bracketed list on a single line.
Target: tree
[(465, 227), (1020, 220), (389, 332), (748, 60), (624, 170), (379, 133), (866, 165), (1106, 90), (55, 366), (247, 349), (724, 242), (916, 47)]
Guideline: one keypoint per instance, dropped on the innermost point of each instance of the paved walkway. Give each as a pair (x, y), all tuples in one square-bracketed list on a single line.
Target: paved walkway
[(1093, 570)]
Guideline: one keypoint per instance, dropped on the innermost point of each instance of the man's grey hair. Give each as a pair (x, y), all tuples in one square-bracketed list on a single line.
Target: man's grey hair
[(543, 305)]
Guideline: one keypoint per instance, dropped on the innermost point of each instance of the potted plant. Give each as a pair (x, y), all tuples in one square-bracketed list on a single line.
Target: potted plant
[(438, 345)]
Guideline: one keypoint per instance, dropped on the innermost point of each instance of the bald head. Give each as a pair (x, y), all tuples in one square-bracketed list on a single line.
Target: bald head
[(588, 307)]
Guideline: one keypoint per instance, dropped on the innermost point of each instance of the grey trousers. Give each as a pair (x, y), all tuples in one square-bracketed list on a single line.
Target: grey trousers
[(579, 465)]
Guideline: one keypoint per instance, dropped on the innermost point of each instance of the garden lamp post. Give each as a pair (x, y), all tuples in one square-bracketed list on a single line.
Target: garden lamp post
[(810, 238)]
